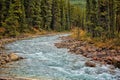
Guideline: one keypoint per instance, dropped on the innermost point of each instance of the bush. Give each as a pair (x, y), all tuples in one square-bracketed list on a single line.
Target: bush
[(13, 33), (80, 34)]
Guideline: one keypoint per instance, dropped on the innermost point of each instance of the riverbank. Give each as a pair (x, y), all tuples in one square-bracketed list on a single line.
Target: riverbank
[(5, 58), (9, 57), (44, 60), (89, 50)]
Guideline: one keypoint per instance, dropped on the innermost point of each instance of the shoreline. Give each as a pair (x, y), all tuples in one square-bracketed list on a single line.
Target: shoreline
[(10, 57), (10, 40), (89, 50), (64, 40)]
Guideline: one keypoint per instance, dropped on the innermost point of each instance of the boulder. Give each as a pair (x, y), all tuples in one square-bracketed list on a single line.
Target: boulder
[(13, 57), (116, 61), (90, 64)]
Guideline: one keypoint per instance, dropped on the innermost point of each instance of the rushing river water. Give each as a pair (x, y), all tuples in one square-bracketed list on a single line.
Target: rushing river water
[(46, 62)]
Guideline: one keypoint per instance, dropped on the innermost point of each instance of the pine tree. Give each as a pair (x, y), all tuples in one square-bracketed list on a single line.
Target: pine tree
[(62, 15), (91, 16), (117, 13), (88, 9), (68, 24), (1, 7), (12, 21), (46, 7), (55, 23), (4, 7), (22, 19), (33, 13), (37, 15)]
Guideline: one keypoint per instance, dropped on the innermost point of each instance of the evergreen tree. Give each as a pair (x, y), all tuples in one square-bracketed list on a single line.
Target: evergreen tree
[(22, 19), (46, 7), (67, 12), (62, 15), (93, 17), (12, 21), (33, 13), (1, 6), (88, 9), (117, 13), (55, 23)]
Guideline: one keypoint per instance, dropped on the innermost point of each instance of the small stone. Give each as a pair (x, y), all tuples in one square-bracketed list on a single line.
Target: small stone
[(3, 62), (113, 51), (90, 64)]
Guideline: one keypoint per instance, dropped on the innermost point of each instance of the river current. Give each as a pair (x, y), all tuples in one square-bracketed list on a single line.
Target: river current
[(43, 61)]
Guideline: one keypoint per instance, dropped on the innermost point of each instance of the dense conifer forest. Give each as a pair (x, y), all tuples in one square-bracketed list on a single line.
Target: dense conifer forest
[(21, 16), (100, 18)]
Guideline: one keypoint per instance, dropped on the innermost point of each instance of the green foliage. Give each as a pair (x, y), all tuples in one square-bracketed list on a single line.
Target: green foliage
[(21, 16), (99, 29), (80, 3), (100, 18), (46, 6)]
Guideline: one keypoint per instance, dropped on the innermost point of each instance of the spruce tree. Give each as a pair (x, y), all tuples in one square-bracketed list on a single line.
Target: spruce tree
[(55, 23), (62, 14), (33, 13), (12, 21), (67, 12), (46, 7), (117, 13)]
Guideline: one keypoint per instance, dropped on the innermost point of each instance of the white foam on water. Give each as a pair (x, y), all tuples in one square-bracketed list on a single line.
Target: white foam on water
[(44, 59), (60, 69)]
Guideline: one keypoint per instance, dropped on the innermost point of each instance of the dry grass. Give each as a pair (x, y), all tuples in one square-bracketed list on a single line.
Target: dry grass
[(108, 43), (84, 36), (80, 34)]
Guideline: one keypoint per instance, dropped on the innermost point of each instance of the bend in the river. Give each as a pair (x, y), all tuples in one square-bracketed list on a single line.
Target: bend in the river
[(46, 62)]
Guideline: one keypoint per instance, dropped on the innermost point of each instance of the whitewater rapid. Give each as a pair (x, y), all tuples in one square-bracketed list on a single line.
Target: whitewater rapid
[(43, 61)]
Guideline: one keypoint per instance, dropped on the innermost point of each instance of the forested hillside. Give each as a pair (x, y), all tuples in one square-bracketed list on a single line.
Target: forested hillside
[(21, 16), (101, 20)]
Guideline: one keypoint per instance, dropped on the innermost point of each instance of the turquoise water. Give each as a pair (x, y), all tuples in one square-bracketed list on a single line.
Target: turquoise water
[(46, 62)]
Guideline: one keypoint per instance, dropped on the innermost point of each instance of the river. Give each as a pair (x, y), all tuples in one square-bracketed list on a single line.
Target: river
[(43, 61)]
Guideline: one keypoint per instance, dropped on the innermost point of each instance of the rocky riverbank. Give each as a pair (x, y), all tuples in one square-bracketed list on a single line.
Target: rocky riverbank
[(6, 58), (89, 50)]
